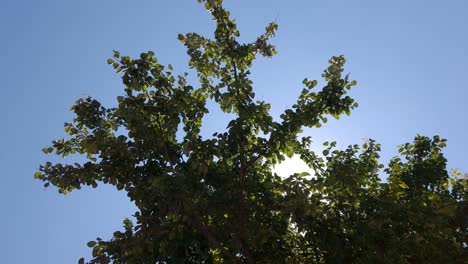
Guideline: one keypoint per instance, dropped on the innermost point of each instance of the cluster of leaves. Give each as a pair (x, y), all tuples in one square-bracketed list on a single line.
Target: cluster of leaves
[(216, 199)]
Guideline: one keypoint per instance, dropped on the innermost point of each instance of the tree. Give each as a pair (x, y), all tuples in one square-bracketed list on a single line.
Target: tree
[(216, 199)]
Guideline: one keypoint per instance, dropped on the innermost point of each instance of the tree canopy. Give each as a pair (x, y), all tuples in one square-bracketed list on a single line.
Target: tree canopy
[(217, 199)]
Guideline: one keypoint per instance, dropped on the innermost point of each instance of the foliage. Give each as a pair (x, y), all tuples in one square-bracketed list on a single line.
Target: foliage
[(217, 200)]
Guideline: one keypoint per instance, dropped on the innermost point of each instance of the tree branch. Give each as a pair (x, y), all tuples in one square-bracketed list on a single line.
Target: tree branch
[(242, 215), (212, 239)]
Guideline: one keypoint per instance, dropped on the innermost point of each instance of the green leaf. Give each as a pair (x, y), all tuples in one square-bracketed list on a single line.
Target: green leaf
[(403, 185), (91, 244), (37, 175), (181, 38), (91, 148), (120, 186), (47, 150)]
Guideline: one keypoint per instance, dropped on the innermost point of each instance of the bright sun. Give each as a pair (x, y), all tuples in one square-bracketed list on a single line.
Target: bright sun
[(291, 166)]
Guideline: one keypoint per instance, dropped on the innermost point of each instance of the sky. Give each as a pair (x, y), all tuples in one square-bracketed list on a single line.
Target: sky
[(408, 57)]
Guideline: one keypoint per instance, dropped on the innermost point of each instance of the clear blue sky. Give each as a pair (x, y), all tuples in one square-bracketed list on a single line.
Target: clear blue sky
[(409, 58)]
